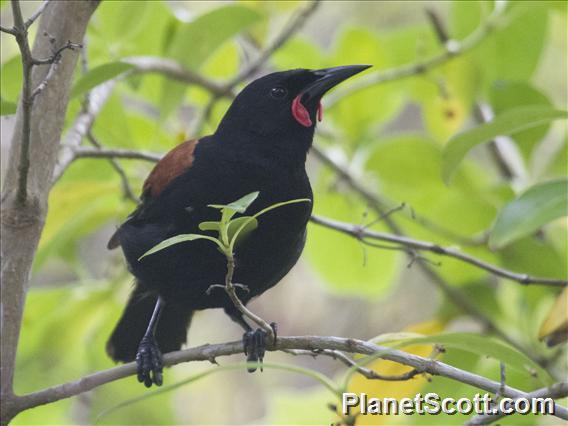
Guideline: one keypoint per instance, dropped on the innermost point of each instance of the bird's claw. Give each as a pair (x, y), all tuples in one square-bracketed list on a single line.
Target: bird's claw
[(254, 343), (149, 362)]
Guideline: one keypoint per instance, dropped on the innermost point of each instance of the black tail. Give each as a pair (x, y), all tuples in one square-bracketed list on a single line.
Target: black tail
[(171, 331)]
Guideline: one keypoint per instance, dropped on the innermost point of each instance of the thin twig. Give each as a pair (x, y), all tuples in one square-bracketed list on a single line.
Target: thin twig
[(10, 31), (206, 114), (50, 73), (36, 14), (483, 114), (230, 289), (175, 71), (57, 53), (289, 31), (364, 371), (83, 152), (438, 26), (502, 379), (126, 188)]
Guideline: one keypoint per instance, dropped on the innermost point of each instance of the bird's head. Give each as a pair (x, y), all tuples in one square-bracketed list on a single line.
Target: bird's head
[(284, 104)]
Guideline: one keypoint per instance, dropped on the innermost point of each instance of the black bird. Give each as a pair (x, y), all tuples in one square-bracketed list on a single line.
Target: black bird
[(260, 145)]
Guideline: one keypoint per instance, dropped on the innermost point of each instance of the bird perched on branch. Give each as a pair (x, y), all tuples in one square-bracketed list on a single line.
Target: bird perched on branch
[(260, 145)]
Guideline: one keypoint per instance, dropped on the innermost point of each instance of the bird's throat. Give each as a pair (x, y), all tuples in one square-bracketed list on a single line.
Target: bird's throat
[(301, 113)]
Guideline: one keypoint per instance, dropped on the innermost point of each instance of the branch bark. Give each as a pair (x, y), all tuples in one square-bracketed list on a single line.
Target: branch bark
[(23, 217)]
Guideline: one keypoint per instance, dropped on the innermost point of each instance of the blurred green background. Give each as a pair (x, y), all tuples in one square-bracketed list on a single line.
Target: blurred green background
[(390, 137)]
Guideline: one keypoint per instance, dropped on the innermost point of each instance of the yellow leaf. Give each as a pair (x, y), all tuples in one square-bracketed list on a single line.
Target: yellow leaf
[(401, 389), (554, 328)]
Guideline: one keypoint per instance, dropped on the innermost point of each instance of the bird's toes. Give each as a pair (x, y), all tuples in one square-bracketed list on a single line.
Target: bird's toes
[(149, 362), (254, 343)]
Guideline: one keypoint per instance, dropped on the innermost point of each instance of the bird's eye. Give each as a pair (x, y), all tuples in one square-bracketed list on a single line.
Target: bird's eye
[(278, 92)]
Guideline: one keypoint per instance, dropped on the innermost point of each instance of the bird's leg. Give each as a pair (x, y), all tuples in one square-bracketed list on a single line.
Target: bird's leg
[(149, 358), (254, 341)]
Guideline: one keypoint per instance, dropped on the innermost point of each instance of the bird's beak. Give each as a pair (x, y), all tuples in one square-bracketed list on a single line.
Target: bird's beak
[(329, 78)]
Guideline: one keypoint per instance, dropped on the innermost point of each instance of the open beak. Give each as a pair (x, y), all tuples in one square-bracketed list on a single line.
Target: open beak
[(329, 78)]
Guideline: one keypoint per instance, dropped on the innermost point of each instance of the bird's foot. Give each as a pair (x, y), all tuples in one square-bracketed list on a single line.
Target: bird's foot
[(149, 362), (254, 343)]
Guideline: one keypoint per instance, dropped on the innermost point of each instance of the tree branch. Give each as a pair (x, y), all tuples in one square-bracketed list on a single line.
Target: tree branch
[(176, 71), (361, 233), (10, 31), (306, 343)]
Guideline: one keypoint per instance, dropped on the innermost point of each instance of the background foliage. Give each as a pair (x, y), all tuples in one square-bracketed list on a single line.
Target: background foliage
[(395, 138)]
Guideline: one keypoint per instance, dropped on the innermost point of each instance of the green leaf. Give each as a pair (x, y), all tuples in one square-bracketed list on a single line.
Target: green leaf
[(179, 239), (508, 123), (533, 209), (210, 226), (7, 108), (246, 225), (240, 227), (238, 206), (99, 75), (505, 95), (486, 346), (243, 203)]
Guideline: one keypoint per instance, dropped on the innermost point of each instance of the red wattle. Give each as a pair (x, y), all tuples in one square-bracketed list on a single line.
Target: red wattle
[(300, 112), (320, 112)]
